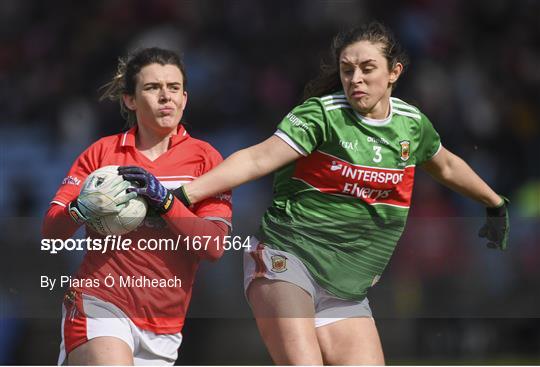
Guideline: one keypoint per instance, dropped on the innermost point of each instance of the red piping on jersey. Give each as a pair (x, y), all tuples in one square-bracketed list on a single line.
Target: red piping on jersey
[(260, 267), (75, 323)]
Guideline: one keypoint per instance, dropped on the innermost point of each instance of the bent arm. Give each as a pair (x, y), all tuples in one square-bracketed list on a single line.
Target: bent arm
[(453, 172), (58, 224), (241, 167), (183, 222)]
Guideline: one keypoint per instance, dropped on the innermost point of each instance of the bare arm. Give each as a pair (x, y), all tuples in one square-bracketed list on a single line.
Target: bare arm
[(241, 167), (453, 172)]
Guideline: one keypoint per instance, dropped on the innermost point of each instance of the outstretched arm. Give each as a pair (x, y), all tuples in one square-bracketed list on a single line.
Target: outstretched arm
[(453, 172), (241, 167)]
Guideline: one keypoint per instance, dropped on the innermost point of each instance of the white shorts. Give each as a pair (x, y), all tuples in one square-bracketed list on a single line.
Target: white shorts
[(100, 318), (264, 262)]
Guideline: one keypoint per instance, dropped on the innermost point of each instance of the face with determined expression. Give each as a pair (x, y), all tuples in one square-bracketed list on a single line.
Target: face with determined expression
[(159, 98), (367, 79)]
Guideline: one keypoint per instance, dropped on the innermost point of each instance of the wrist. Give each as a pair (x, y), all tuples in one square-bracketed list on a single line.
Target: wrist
[(75, 213), (498, 210), (182, 195), (495, 202), (167, 203), (502, 201)]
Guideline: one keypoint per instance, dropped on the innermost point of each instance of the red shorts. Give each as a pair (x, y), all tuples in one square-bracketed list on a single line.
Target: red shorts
[(85, 317)]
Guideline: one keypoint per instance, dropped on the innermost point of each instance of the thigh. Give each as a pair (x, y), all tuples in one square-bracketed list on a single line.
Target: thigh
[(103, 350), (285, 318), (94, 332), (352, 341), (155, 349)]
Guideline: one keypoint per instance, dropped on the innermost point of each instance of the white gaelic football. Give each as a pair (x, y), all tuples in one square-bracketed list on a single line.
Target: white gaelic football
[(97, 202)]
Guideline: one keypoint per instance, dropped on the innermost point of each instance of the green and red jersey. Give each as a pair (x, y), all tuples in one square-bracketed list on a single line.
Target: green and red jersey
[(342, 207)]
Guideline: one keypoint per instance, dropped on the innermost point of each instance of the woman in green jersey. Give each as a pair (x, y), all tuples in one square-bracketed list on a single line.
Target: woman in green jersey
[(345, 162)]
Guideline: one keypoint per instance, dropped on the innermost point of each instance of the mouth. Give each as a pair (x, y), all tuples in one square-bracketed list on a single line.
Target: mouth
[(164, 111), (358, 94)]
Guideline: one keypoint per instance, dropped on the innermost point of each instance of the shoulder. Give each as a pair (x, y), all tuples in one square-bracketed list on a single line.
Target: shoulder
[(402, 108), (205, 150), (321, 108), (112, 140), (105, 144), (328, 102), (413, 113), (334, 101)]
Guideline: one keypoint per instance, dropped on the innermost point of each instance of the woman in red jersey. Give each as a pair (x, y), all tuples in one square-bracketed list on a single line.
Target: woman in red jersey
[(345, 160), (138, 322)]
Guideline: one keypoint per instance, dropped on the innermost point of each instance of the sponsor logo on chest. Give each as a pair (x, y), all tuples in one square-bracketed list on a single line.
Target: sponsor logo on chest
[(349, 145), (371, 139), (373, 185), (405, 149)]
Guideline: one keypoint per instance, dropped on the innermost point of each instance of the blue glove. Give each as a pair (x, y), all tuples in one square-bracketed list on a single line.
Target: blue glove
[(157, 196), (497, 226)]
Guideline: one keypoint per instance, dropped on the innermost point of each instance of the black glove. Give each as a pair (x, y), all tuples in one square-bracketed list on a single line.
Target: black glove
[(497, 226), (181, 195), (157, 196)]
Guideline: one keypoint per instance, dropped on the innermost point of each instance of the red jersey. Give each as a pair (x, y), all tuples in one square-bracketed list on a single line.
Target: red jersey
[(159, 309)]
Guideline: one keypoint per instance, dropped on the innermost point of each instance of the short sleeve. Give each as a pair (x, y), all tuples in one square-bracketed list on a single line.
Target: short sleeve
[(429, 143), (86, 163), (219, 207), (304, 126)]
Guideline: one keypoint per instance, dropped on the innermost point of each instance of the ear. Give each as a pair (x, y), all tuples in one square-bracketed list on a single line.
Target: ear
[(185, 100), (129, 101), (395, 72)]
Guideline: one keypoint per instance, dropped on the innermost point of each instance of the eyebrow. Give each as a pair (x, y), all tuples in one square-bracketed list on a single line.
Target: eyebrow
[(354, 63), (149, 84)]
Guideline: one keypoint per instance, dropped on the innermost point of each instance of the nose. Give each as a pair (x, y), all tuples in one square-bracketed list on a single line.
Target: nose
[(164, 95), (358, 76)]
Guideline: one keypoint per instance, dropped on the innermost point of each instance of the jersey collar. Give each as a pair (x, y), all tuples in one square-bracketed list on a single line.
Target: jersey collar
[(376, 122), (128, 138)]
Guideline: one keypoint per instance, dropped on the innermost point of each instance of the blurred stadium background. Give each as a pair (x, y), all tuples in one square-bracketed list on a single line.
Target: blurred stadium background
[(475, 71)]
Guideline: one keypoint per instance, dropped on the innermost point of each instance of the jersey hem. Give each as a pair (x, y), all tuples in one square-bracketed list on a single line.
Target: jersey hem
[(436, 152), (326, 286), (287, 139)]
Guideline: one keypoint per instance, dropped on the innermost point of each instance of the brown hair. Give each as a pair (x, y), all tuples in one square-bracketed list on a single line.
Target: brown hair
[(328, 80), (125, 79)]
